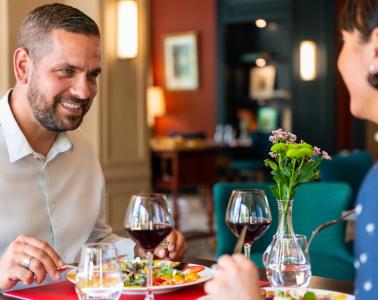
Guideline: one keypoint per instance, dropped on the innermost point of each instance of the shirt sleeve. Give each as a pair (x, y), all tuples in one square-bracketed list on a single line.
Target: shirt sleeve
[(102, 232)]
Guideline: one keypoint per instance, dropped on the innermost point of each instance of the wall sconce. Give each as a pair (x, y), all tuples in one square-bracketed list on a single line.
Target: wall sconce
[(127, 29), (261, 62), (307, 60), (155, 104), (261, 23)]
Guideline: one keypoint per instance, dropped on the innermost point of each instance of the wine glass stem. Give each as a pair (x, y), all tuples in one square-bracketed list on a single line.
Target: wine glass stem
[(247, 250), (149, 294)]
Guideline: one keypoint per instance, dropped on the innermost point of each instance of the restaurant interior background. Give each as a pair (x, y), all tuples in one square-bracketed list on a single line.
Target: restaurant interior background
[(229, 46)]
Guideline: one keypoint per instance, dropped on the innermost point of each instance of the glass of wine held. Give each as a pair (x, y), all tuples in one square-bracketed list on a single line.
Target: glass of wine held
[(250, 209), (148, 221)]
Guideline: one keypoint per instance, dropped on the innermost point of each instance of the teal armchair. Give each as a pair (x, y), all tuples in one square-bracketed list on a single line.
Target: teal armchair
[(315, 203), (350, 167)]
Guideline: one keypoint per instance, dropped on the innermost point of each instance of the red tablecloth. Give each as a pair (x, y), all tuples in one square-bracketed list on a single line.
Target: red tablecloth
[(65, 290)]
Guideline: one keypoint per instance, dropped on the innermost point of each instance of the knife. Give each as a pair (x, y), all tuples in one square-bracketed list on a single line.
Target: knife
[(240, 243)]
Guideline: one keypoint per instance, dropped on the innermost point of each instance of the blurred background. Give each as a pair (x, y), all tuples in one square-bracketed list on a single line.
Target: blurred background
[(191, 90)]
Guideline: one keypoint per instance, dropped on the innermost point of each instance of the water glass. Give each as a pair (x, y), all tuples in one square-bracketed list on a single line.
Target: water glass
[(99, 274), (302, 241), (288, 263)]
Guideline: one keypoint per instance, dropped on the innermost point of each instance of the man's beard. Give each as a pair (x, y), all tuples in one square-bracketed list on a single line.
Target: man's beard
[(47, 114)]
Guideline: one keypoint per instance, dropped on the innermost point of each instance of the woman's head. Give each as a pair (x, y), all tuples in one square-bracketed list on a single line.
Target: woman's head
[(358, 60)]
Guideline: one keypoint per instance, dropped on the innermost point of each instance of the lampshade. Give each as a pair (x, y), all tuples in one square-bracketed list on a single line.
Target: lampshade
[(307, 63), (155, 103), (127, 29)]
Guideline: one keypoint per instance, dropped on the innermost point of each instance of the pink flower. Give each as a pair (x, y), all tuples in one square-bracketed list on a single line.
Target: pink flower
[(326, 156), (281, 136), (317, 151), (272, 154)]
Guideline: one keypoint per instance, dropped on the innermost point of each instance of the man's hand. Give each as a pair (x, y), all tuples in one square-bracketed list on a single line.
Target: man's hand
[(236, 278), (176, 249), (28, 259)]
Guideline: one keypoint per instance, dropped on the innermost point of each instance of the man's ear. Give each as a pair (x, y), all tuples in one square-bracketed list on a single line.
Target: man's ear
[(21, 65)]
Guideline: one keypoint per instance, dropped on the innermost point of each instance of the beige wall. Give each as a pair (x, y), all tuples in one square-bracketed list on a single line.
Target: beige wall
[(116, 123), (4, 47)]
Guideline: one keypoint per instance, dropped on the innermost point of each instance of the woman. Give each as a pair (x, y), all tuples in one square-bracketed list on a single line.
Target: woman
[(358, 65)]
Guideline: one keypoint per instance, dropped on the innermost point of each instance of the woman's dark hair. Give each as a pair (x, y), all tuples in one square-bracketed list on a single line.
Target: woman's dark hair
[(361, 15)]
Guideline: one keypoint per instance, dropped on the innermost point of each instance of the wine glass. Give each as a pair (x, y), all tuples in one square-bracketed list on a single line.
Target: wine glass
[(148, 221), (248, 208), (99, 275)]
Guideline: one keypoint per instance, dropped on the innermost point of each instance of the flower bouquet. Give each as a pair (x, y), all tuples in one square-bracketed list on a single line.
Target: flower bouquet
[(292, 163)]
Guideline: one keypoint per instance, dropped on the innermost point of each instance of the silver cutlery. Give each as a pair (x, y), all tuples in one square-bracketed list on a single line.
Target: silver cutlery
[(240, 242), (343, 217)]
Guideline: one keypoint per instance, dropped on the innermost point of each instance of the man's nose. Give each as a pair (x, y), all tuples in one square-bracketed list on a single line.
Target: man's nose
[(81, 88)]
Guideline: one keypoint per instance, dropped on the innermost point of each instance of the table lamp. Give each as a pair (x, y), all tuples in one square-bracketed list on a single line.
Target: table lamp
[(155, 104)]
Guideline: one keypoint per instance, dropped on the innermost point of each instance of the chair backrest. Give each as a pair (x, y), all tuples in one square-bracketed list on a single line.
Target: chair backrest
[(314, 204), (317, 203), (348, 167), (225, 239)]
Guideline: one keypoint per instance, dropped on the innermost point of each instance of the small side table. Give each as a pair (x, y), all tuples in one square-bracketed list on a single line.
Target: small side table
[(186, 168)]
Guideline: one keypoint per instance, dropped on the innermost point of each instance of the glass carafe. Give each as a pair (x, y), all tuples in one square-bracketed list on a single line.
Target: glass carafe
[(287, 264)]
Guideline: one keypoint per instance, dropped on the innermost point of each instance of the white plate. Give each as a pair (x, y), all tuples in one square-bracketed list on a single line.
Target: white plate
[(317, 292), (205, 274)]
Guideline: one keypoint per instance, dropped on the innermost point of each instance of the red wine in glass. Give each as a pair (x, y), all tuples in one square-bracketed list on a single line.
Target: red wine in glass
[(148, 221), (255, 229), (248, 208), (149, 239)]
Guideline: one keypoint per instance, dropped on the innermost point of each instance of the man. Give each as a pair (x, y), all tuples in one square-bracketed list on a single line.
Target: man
[(51, 183)]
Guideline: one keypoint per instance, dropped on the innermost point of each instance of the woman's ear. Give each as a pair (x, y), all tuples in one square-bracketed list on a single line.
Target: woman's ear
[(374, 46), (21, 65)]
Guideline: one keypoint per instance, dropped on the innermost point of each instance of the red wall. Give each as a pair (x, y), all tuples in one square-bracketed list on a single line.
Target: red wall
[(187, 111)]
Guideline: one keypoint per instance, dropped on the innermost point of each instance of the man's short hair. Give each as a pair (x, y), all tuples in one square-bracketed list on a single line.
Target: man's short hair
[(39, 23)]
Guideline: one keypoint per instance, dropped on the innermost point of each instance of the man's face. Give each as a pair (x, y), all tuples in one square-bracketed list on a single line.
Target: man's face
[(63, 83)]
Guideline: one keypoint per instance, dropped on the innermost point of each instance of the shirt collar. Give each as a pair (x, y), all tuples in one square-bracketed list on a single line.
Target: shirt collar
[(17, 144)]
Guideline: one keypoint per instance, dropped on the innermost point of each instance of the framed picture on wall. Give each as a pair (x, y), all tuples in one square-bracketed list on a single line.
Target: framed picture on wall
[(261, 85), (181, 61)]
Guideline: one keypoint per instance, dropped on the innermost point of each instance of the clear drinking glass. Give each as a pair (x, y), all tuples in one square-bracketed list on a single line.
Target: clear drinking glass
[(248, 208), (99, 275), (286, 265), (302, 241), (148, 221)]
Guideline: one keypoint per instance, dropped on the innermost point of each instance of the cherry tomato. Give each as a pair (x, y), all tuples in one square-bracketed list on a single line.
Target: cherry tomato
[(158, 281), (194, 269)]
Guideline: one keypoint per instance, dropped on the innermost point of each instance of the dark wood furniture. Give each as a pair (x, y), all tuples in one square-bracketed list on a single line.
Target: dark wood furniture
[(185, 168)]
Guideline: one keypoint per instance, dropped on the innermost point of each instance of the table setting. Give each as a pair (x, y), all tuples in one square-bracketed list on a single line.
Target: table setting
[(102, 274)]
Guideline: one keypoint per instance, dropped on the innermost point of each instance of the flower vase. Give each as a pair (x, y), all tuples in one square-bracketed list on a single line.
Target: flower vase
[(286, 263)]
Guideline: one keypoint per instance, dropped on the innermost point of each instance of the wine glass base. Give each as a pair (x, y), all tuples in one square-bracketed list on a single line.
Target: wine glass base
[(149, 297)]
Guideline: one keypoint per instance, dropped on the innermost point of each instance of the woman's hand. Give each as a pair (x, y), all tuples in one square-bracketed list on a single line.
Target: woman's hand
[(236, 278)]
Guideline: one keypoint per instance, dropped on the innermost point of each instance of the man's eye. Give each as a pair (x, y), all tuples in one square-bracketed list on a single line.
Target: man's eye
[(66, 72), (93, 76)]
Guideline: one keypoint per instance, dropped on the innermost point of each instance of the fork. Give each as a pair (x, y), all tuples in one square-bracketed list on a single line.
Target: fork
[(327, 224), (239, 244), (66, 267)]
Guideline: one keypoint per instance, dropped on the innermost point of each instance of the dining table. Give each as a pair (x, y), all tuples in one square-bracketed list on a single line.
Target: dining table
[(65, 289)]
